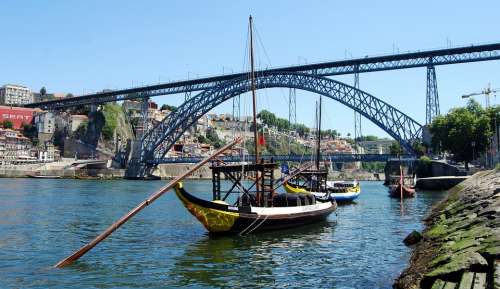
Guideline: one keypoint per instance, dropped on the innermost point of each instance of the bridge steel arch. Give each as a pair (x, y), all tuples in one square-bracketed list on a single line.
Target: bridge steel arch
[(157, 141)]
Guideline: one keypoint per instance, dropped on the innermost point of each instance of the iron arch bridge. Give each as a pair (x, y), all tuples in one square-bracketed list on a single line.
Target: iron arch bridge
[(157, 141)]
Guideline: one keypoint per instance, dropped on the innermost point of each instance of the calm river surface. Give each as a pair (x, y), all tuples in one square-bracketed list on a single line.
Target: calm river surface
[(43, 221)]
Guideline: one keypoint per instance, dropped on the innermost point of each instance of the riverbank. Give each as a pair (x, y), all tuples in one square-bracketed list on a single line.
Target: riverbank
[(462, 235), (68, 170)]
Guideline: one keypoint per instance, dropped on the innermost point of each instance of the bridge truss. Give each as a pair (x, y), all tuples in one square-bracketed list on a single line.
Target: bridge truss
[(162, 137), (430, 58)]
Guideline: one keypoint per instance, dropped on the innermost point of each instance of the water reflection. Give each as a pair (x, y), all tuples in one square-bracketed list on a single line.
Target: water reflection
[(41, 221), (249, 261)]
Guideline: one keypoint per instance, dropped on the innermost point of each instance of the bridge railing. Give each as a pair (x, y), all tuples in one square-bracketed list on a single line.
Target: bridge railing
[(471, 53), (344, 158)]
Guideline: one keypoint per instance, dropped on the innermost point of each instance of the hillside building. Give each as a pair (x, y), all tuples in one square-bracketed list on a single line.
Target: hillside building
[(15, 95)]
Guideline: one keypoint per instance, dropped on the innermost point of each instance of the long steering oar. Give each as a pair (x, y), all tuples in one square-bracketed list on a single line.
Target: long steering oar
[(76, 255)]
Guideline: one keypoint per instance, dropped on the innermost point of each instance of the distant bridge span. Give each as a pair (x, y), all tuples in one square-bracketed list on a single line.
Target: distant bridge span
[(428, 58)]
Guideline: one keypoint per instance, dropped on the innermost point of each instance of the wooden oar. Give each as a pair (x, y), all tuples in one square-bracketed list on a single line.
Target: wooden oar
[(76, 255)]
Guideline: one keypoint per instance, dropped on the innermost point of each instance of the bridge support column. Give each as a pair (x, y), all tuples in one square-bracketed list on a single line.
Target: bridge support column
[(357, 116), (432, 98), (144, 112)]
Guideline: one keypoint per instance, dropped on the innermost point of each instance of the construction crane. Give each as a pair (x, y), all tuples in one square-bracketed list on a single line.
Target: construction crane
[(486, 92)]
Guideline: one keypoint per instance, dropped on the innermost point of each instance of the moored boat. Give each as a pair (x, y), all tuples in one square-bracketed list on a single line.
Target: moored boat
[(252, 203), (38, 176), (344, 191), (219, 217), (400, 190)]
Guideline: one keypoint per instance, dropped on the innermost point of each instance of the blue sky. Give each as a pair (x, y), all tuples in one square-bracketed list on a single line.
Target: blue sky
[(83, 46)]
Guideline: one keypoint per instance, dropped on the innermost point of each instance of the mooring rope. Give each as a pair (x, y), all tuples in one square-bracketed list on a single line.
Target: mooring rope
[(258, 225), (243, 232)]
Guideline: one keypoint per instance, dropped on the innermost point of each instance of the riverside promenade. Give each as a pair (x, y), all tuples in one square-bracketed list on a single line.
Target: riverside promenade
[(461, 242)]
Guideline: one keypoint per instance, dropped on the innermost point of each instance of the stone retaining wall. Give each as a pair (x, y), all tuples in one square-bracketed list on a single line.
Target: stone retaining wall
[(462, 235)]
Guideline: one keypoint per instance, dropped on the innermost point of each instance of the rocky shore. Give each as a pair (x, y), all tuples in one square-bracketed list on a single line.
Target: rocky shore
[(461, 242)]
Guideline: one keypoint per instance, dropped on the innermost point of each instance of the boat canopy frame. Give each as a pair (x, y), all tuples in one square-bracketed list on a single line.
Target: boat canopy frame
[(260, 191), (314, 180)]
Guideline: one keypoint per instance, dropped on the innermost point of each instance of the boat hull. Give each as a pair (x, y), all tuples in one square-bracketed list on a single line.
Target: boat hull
[(345, 196), (220, 218), (395, 192), (347, 193)]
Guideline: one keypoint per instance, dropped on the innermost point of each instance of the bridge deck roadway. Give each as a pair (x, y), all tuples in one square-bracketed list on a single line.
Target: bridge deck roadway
[(472, 53)]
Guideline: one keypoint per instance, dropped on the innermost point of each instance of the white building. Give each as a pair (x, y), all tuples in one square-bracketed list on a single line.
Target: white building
[(45, 122), (13, 95), (48, 153), (380, 146)]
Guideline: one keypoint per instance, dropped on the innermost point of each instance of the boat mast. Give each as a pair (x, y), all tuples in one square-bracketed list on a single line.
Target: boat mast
[(254, 99), (318, 145)]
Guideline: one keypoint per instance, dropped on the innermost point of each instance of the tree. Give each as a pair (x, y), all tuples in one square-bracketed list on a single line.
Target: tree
[(43, 91), (494, 116), (419, 148), (367, 138), (213, 139), (110, 112), (81, 131), (168, 107), (395, 148), (7, 124), (29, 130), (202, 139), (465, 132)]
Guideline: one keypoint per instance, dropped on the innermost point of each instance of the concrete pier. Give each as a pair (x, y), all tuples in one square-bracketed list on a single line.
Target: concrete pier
[(439, 183)]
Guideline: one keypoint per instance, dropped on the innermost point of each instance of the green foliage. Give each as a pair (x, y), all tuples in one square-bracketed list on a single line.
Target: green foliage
[(81, 131), (110, 112), (419, 148), (59, 138), (213, 139), (202, 139), (497, 167), (7, 124), (425, 159), (367, 138), (331, 133), (43, 91), (29, 130), (374, 167), (465, 132), (395, 148), (168, 107), (494, 116), (268, 118)]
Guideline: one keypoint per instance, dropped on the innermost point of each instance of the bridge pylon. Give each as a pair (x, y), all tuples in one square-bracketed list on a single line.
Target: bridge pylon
[(432, 97)]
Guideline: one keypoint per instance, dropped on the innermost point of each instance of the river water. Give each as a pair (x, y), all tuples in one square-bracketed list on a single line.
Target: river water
[(43, 221)]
